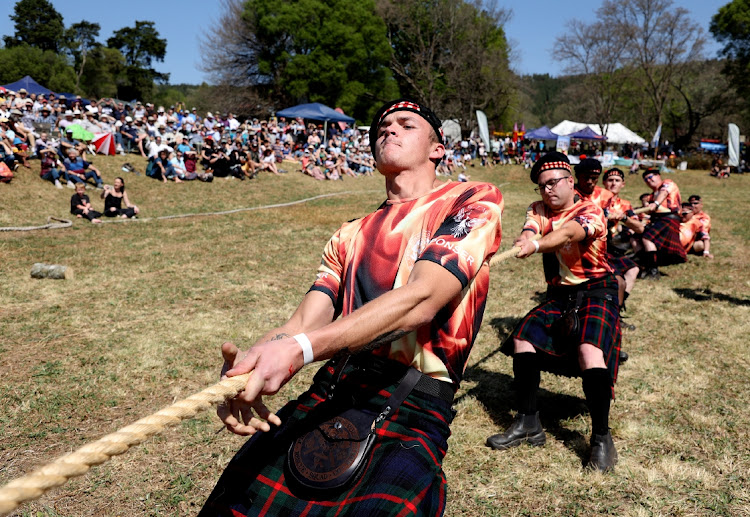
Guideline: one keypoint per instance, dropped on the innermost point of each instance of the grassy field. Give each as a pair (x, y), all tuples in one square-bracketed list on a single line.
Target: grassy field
[(141, 324)]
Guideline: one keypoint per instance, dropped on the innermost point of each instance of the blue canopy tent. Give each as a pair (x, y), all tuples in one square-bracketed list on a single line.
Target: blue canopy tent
[(316, 111), (29, 84), (587, 134), (541, 133)]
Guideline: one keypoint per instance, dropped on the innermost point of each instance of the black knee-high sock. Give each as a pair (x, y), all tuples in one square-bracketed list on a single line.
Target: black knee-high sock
[(652, 260), (526, 372), (597, 386)]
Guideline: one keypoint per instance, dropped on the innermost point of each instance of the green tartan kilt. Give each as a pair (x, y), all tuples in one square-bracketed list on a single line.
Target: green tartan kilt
[(403, 475)]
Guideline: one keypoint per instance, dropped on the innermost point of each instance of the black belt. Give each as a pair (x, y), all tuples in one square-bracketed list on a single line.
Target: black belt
[(390, 371)]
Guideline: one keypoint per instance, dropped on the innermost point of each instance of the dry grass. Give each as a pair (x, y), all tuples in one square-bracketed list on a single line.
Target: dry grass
[(141, 325)]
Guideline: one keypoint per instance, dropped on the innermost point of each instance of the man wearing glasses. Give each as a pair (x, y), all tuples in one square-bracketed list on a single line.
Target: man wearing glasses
[(576, 331)]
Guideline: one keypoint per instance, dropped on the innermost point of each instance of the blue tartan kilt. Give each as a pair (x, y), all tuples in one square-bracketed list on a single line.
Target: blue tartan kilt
[(599, 323), (403, 476), (664, 232)]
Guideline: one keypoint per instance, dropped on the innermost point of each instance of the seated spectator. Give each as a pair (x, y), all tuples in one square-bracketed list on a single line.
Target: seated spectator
[(114, 197), (51, 168), (80, 206), (462, 177), (79, 170), (128, 135), (46, 116), (43, 142), (162, 169)]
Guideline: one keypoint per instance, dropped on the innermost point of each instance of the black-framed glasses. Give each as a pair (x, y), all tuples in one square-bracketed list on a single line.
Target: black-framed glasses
[(549, 186), (647, 178)]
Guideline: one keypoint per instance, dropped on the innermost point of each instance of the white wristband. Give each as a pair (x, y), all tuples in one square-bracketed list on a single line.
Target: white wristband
[(307, 351), (536, 246)]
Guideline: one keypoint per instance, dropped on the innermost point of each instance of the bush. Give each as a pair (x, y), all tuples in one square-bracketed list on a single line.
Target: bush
[(695, 161)]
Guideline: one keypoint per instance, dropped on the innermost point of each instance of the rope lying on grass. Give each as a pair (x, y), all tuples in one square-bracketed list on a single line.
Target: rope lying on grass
[(64, 223), (80, 461), (237, 210), (61, 223)]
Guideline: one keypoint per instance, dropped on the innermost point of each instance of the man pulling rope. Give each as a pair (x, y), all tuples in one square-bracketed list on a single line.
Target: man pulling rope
[(576, 331), (409, 282)]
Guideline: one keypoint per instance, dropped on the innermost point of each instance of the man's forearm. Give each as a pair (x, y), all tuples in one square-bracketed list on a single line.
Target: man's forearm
[(388, 317)]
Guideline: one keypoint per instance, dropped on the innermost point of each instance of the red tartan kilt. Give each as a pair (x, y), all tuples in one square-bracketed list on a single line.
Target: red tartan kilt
[(664, 232)]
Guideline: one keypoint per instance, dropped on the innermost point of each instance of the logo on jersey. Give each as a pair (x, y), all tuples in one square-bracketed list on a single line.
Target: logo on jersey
[(464, 223)]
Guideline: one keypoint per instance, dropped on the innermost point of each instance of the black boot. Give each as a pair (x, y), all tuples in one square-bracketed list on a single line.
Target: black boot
[(603, 453), (623, 356), (525, 428)]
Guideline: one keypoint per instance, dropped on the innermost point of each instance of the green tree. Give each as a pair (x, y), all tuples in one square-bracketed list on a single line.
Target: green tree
[(80, 38), (141, 45), (37, 24), (731, 27), (45, 66), (103, 73), (332, 51), (451, 55)]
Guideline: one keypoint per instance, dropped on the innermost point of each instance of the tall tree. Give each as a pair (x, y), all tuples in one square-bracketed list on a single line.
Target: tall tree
[(660, 40), (595, 52), (331, 51), (49, 68), (37, 24), (451, 55), (141, 45), (731, 27), (80, 39)]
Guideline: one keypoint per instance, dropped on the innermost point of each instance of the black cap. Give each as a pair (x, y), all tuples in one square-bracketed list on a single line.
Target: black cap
[(405, 105), (694, 197), (614, 172), (650, 171), (589, 166), (551, 160)]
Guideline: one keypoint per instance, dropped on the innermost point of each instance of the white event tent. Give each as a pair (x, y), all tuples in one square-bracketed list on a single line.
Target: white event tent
[(616, 133)]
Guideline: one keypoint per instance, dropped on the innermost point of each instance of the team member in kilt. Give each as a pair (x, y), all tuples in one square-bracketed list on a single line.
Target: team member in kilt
[(573, 235), (702, 244), (409, 282), (587, 177), (660, 242), (622, 224), (692, 231)]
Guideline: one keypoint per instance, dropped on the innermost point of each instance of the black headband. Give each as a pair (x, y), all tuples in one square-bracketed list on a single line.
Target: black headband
[(405, 105)]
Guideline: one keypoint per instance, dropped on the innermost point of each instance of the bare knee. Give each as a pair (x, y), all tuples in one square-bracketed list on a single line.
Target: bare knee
[(590, 356), (521, 346)]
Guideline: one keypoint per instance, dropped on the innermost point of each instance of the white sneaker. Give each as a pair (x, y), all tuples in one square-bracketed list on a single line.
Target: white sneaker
[(58, 184), (70, 184)]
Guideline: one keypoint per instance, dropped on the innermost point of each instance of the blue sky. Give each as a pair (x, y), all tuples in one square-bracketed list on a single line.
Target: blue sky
[(532, 28)]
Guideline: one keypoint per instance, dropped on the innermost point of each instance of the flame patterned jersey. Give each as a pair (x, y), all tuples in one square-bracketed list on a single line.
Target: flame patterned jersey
[(456, 225), (673, 200), (601, 197), (576, 262), (705, 219), (617, 204), (689, 231)]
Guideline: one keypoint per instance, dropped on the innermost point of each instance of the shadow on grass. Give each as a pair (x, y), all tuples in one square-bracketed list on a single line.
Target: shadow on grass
[(703, 295), (496, 392)]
